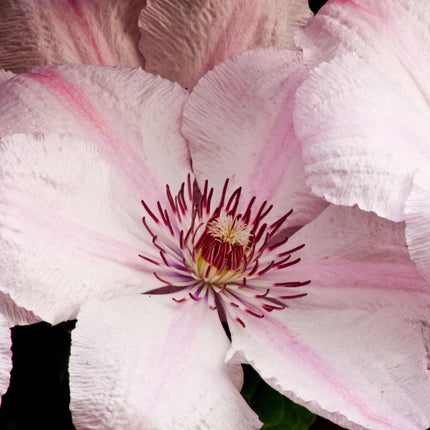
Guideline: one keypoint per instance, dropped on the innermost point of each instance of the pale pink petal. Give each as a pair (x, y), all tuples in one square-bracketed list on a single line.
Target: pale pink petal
[(417, 214), (363, 135), (64, 235), (5, 76), (15, 315), (393, 36), (360, 369), (36, 33), (357, 259), (133, 117), (5, 355), (150, 363), (238, 122), (183, 39)]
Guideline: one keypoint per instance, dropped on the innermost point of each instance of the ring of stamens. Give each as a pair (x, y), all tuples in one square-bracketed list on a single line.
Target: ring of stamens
[(219, 255)]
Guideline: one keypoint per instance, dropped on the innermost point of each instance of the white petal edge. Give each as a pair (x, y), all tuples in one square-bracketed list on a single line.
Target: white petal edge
[(5, 355)]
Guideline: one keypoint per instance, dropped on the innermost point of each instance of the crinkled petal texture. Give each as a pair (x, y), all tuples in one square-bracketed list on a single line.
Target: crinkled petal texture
[(36, 33), (183, 39), (417, 214), (5, 355), (363, 135), (355, 350), (70, 211), (238, 122), (150, 363), (392, 35), (363, 118)]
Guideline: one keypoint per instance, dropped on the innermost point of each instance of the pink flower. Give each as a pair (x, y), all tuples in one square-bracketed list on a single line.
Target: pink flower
[(178, 39), (363, 114), (83, 145)]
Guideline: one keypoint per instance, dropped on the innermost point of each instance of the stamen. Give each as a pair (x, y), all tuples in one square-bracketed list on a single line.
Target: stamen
[(221, 256)]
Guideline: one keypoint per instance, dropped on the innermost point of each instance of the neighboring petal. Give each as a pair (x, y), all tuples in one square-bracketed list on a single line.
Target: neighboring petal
[(5, 355), (36, 33), (392, 35), (238, 122), (183, 39), (64, 235), (134, 119), (417, 213), (360, 369), (355, 259), (363, 135), (150, 363)]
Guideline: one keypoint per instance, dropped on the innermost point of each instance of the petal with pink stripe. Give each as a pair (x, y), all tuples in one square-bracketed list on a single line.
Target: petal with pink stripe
[(64, 234), (358, 260), (132, 117), (238, 122), (150, 363), (36, 33), (361, 369)]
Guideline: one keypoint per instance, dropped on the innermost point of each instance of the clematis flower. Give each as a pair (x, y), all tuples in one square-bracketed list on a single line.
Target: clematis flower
[(363, 114), (99, 220), (178, 39)]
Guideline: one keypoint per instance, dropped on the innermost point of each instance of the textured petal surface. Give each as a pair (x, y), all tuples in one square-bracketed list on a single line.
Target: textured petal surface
[(391, 35), (71, 31), (5, 355), (15, 315), (133, 117), (360, 369), (363, 135), (63, 235), (147, 362), (417, 213), (369, 113), (356, 259), (238, 122), (356, 348), (183, 39)]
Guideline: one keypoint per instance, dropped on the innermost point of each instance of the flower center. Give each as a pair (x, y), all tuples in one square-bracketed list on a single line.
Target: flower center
[(226, 258)]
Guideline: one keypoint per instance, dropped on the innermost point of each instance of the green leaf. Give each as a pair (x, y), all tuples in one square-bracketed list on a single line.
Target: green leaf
[(275, 410)]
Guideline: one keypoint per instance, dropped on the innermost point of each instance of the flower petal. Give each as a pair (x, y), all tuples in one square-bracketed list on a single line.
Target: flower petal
[(5, 355), (5, 76), (15, 315), (356, 259), (238, 122), (147, 362), (183, 39), (64, 237), (363, 135), (393, 36), (360, 369), (417, 212), (78, 31), (134, 118)]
